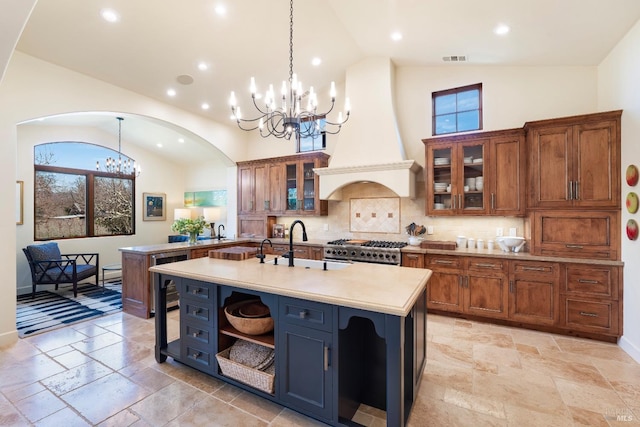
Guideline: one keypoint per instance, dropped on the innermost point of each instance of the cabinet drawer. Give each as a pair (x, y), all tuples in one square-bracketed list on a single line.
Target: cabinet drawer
[(306, 313), (591, 316), (197, 291), (487, 264), (194, 310), (195, 334), (534, 268), (595, 281), (197, 357), (279, 249), (444, 262)]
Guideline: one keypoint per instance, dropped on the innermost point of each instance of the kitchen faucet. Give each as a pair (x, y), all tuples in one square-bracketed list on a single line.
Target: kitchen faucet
[(304, 239), (221, 225), (261, 254)]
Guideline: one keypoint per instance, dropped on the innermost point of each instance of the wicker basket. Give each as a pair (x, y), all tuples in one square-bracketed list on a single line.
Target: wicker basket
[(258, 379)]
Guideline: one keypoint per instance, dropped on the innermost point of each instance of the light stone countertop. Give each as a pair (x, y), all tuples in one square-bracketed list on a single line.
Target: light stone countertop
[(374, 287)]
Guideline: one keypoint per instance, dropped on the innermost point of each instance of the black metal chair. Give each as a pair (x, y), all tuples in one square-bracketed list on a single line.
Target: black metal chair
[(50, 267)]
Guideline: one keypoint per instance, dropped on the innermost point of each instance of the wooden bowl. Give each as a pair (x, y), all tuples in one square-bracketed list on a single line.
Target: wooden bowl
[(247, 325)]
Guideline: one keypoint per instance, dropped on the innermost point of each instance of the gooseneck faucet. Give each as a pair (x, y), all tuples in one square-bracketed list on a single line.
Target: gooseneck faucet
[(261, 254), (221, 225), (304, 238)]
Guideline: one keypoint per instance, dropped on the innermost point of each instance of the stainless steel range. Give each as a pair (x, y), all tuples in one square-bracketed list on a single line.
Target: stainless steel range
[(375, 251)]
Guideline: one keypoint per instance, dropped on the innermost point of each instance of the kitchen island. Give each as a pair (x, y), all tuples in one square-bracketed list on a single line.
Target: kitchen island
[(342, 337)]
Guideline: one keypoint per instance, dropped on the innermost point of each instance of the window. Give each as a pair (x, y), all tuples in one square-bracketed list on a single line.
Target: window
[(457, 110), (315, 142), (72, 201)]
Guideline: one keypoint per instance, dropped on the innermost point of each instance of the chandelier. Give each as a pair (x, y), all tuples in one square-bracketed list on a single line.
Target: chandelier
[(119, 166), (290, 117)]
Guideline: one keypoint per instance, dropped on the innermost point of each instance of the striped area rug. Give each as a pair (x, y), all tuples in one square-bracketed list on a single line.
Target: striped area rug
[(53, 309)]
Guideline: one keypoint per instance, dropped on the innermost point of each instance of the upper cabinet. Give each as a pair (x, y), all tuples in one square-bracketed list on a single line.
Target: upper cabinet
[(574, 161), (281, 186), (476, 174)]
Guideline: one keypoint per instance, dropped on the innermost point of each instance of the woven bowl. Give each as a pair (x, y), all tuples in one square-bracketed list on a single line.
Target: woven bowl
[(247, 325)]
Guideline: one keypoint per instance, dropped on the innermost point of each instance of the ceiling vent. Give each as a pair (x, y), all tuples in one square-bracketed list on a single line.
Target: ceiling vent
[(455, 58)]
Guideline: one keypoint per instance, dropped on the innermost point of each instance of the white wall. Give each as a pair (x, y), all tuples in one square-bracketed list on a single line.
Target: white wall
[(618, 87), (32, 88), (13, 17)]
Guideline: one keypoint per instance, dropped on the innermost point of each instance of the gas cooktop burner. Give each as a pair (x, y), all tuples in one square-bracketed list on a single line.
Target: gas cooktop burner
[(375, 251), (368, 243)]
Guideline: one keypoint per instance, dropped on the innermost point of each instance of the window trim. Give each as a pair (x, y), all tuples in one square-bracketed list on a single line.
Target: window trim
[(434, 95)]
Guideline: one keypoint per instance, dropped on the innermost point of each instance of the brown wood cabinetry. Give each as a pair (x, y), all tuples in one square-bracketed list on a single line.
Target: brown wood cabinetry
[(491, 164), (574, 161), (136, 282), (412, 260), (534, 292), (299, 251), (576, 233), (591, 299), (486, 287), (572, 298), (281, 185), (444, 288)]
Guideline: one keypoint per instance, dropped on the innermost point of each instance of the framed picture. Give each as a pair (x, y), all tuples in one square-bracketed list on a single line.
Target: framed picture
[(278, 231), (154, 208), (19, 202)]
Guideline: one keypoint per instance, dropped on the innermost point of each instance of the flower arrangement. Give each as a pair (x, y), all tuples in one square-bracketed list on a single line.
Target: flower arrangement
[(415, 230), (192, 227)]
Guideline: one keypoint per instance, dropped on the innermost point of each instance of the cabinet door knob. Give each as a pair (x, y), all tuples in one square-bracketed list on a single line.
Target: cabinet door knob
[(303, 314), (195, 334), (195, 291), (195, 311), (511, 286), (570, 190), (196, 354), (577, 192)]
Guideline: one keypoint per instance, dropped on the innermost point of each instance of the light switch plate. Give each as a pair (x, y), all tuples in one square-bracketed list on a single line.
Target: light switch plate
[(499, 232), (429, 229), (513, 231)]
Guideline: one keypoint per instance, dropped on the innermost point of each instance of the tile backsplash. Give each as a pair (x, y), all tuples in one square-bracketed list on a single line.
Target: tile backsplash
[(338, 223)]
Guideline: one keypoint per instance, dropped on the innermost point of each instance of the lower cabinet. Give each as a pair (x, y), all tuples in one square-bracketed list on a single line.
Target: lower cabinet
[(572, 298), (591, 299), (533, 292), (305, 347), (476, 286)]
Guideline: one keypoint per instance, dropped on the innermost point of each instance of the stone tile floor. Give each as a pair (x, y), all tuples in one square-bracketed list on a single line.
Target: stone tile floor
[(103, 372)]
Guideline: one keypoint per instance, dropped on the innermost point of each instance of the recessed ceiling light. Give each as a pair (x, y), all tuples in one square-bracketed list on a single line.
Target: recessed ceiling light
[(159, 145), (501, 29), (316, 61), (205, 106), (110, 15), (396, 36), (171, 92), (202, 66), (220, 10), (181, 140)]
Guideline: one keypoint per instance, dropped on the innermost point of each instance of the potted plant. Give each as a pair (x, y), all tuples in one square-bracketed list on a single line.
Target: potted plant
[(189, 226), (414, 231)]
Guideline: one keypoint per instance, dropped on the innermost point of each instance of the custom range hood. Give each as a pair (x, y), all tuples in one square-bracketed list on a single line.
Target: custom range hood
[(369, 147)]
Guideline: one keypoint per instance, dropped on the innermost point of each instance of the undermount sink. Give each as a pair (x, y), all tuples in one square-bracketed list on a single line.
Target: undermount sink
[(311, 263)]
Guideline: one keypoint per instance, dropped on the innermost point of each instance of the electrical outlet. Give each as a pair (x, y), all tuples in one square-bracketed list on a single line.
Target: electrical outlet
[(513, 231), (429, 229), (326, 227), (499, 232)]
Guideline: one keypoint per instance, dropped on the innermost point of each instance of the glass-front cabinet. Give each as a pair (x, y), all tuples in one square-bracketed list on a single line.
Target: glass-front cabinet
[(302, 187), (476, 174), (455, 178)]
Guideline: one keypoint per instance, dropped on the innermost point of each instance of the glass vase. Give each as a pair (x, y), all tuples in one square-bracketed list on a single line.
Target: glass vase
[(193, 237)]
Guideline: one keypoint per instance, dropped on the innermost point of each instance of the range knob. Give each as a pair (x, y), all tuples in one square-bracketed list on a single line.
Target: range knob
[(393, 257), (362, 254), (353, 253), (387, 256), (375, 255), (369, 254)]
